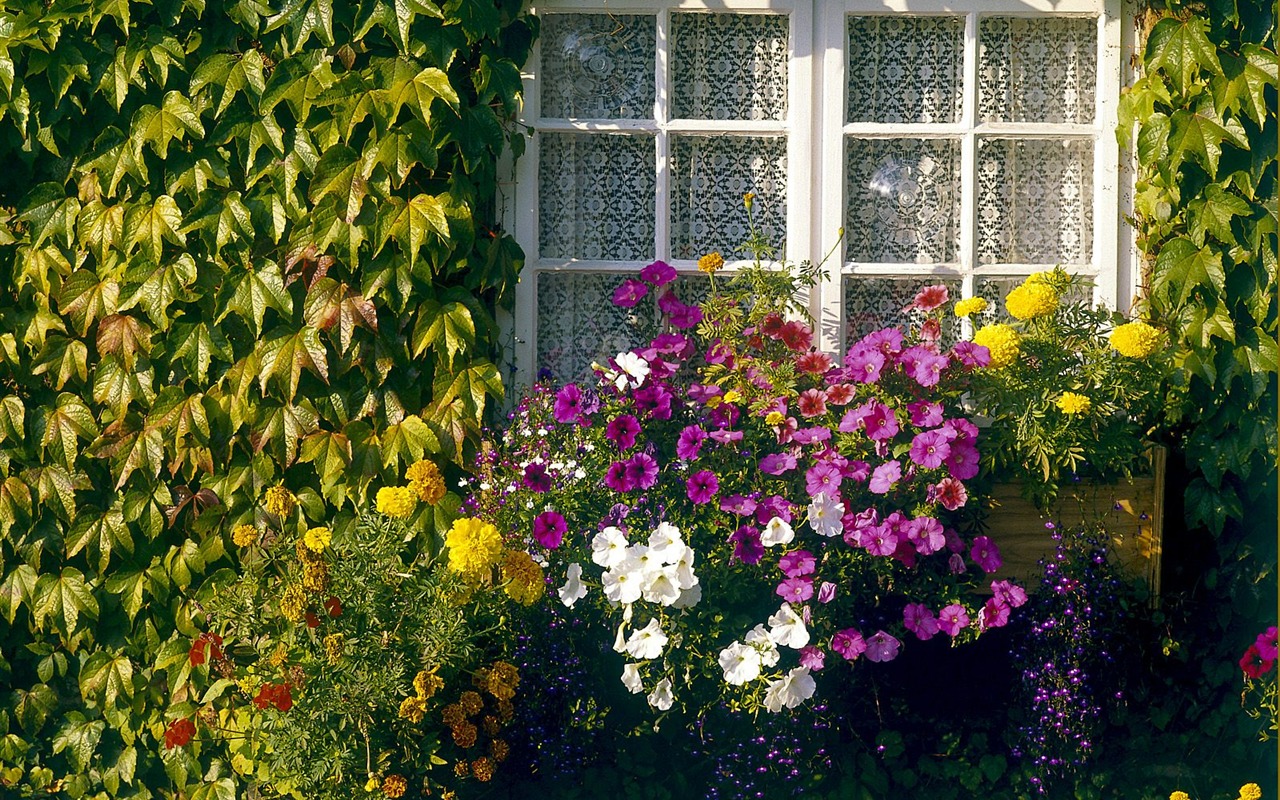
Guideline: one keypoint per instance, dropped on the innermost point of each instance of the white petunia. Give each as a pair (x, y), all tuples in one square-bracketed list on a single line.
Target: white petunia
[(609, 547), (787, 628), (790, 690), (740, 662), (633, 367), (631, 678), (826, 515), (776, 531), (641, 559), (648, 641), (760, 639), (661, 697), (662, 586), (622, 585), (666, 544), (689, 597), (573, 590), (685, 576)]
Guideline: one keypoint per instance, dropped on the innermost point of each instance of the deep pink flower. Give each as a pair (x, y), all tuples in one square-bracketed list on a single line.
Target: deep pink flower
[(1253, 664), (548, 529), (813, 363), (931, 330), (882, 647), (797, 336), (881, 423), (642, 471), (950, 493), (747, 546), (887, 341), (723, 436), (814, 435), (702, 486), (777, 463), (771, 326), (812, 657), (622, 431), (923, 364), (536, 478), (926, 534), (995, 614), (985, 554), (617, 478), (659, 273), (925, 414), (684, 316), (1009, 593), (884, 477), (568, 405), (690, 443), (953, 619), (864, 364), (823, 478), (719, 353), (856, 418), (920, 620), (961, 431), (812, 403), (737, 504), (848, 643), (826, 592), (797, 563), (962, 461), (1266, 644), (857, 527), (672, 344), (795, 590), (629, 293), (929, 298), (654, 400), (773, 506), (928, 449), (971, 355), (701, 393), (880, 540), (857, 471)]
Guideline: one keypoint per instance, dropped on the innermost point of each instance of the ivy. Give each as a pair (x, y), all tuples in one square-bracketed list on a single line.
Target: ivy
[(241, 244)]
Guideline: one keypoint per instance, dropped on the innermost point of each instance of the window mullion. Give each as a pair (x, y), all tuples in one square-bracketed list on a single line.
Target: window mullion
[(968, 156), (662, 149)]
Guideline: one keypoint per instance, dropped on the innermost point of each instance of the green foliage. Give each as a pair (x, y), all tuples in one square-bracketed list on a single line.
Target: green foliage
[(241, 244), (1204, 114)]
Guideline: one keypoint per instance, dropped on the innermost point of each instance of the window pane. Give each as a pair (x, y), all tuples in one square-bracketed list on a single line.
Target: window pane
[(1037, 70), (874, 303), (597, 66), (709, 176), (905, 69), (578, 323), (596, 196), (903, 200), (1035, 201), (729, 66)]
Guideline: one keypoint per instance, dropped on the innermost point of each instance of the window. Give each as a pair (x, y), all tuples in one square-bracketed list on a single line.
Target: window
[(967, 145)]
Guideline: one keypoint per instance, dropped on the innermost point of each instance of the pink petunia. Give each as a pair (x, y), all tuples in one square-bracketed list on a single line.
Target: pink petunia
[(659, 273), (924, 365), (840, 394), (848, 643), (812, 403), (924, 414), (880, 422), (773, 506), (971, 356), (777, 463), (926, 534), (813, 363), (949, 493), (795, 590), (812, 657), (738, 504), (797, 336), (928, 449), (623, 431), (985, 554), (887, 341), (1266, 643), (864, 364), (884, 477), (629, 293), (823, 478), (920, 620), (993, 614), (1009, 593), (797, 563), (882, 647), (880, 540), (929, 298), (953, 619), (962, 461), (702, 486)]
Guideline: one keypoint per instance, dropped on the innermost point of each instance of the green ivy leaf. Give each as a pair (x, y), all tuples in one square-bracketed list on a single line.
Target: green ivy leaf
[(106, 678), (253, 292), (99, 532), (61, 599), (65, 426), (51, 215), (408, 441), (283, 426), (1211, 212), (31, 708), (19, 587), (329, 451), (13, 417), (176, 118), (1181, 48), (100, 227), (150, 226), (407, 85), (62, 359), (1183, 267), (286, 353), (79, 738), (86, 298)]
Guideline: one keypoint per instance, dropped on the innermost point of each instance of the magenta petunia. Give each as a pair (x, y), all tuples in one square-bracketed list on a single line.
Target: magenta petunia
[(882, 647), (629, 293), (924, 365), (953, 619), (812, 657), (857, 471), (848, 643), (683, 317), (795, 590), (719, 353), (884, 477), (617, 478), (962, 461), (880, 540), (777, 463), (815, 435), (536, 478), (797, 563), (926, 534), (970, 355), (920, 620), (962, 431), (858, 526), (928, 449), (747, 546), (864, 364), (701, 393), (826, 592), (623, 431), (548, 529), (773, 506), (1265, 641), (569, 404), (689, 444), (812, 403), (985, 554), (994, 614), (654, 401), (659, 273), (880, 422), (823, 478), (642, 470), (949, 493), (887, 341), (924, 414), (738, 504), (1010, 593), (676, 345), (702, 486), (722, 436)]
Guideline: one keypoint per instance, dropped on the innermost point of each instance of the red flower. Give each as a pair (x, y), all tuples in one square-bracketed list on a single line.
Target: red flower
[(1253, 664), (205, 645), (814, 363), (797, 336), (179, 733), (812, 402), (274, 694), (312, 620), (771, 325), (929, 298), (334, 606)]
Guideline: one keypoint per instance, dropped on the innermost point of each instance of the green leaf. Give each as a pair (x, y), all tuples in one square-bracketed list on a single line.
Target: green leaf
[(115, 387), (151, 225), (283, 427), (13, 417), (69, 422), (409, 223), (329, 451), (32, 707), (232, 73), (62, 359), (105, 678), (1181, 48), (448, 328), (1211, 212), (176, 118), (99, 532), (416, 88), (408, 441), (499, 80), (227, 219), (62, 598), (331, 304), (50, 214), (1197, 136), (1245, 81), (221, 789), (79, 738), (197, 344), (86, 298), (124, 337), (287, 353), (19, 587), (253, 292), (100, 227), (128, 586), (1181, 268), (343, 173)]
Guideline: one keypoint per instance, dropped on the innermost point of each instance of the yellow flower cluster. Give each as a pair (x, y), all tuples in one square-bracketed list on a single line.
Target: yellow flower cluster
[(293, 603), (394, 786), (482, 768), (474, 547), (464, 734), (244, 535), (397, 501), (317, 539), (426, 481), (315, 576), (426, 683), (1001, 341), (523, 577), (471, 703), (970, 306), (1031, 300), (1179, 795), (1250, 791), (501, 680), (1072, 403), (334, 644), (1135, 339), (279, 501), (711, 263), (774, 418), (413, 709)]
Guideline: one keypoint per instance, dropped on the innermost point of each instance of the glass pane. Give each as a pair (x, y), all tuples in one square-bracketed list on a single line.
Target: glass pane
[(729, 66), (596, 196), (709, 176), (903, 200), (1035, 201), (874, 303), (578, 323), (1037, 70), (597, 66), (905, 69)]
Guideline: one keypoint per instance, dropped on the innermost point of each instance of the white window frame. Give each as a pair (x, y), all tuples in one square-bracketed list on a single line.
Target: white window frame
[(815, 151)]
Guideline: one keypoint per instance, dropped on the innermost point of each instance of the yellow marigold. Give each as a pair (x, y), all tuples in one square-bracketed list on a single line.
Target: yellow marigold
[(413, 709), (293, 603), (1031, 300), (334, 644), (1001, 341), (482, 768), (1072, 403), (461, 769), (1135, 339), (279, 501), (315, 576), (970, 305), (426, 683), (397, 501), (490, 724), (394, 786), (499, 750), (425, 479), (244, 535), (464, 734), (732, 396), (774, 418), (470, 703), (506, 710), (249, 685), (277, 657), (474, 546), (523, 577), (317, 539), (711, 262), (1179, 795), (503, 680), (452, 715), (1250, 791), (749, 199)]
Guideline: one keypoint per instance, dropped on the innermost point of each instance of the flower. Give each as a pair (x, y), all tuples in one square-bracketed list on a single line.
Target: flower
[(425, 479), (882, 647), (426, 683), (776, 531), (740, 663), (702, 486), (274, 694), (413, 709), (659, 273), (633, 368), (797, 563), (548, 529), (317, 539), (397, 502), (206, 644), (474, 547), (777, 463), (536, 478), (789, 691), (641, 471), (949, 493), (483, 769), (825, 515), (502, 681), (333, 607), (523, 577), (1250, 791), (629, 293), (884, 477), (787, 628), (812, 403), (631, 678), (279, 501), (333, 647), (1072, 403), (953, 619), (970, 306), (1001, 342), (1266, 643), (849, 644), (1135, 339), (394, 786), (928, 449), (929, 298), (622, 431), (689, 444), (1031, 300), (795, 590), (1179, 795), (244, 535), (179, 733), (711, 263), (661, 697), (812, 657), (918, 619), (647, 642), (985, 554), (1253, 664), (293, 603)]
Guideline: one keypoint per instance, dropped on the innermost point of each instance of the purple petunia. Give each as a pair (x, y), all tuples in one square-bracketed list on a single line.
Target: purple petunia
[(659, 273), (813, 435), (629, 293), (747, 546), (617, 478), (971, 355), (702, 486), (882, 647), (880, 422), (928, 449), (548, 529), (985, 554), (642, 471), (812, 657), (773, 506), (880, 540), (884, 477), (690, 443), (920, 620), (654, 400), (962, 462), (777, 463), (737, 504), (795, 590), (536, 478), (848, 643), (885, 340), (864, 364), (623, 431), (826, 592), (797, 563), (568, 406), (923, 364), (926, 534), (925, 414)]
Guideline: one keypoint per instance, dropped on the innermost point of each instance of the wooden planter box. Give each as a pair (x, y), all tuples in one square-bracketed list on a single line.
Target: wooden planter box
[(1132, 511)]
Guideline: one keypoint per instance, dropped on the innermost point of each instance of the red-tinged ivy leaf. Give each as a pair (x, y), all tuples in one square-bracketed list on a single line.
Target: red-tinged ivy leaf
[(15, 506), (197, 501), (85, 298), (283, 426), (306, 262), (286, 354), (179, 414), (176, 118), (252, 292), (50, 215), (62, 359), (99, 532), (19, 587), (101, 228), (1185, 268), (61, 599), (124, 337), (151, 225), (69, 422), (13, 419), (407, 441), (330, 304), (1182, 49), (329, 451)]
